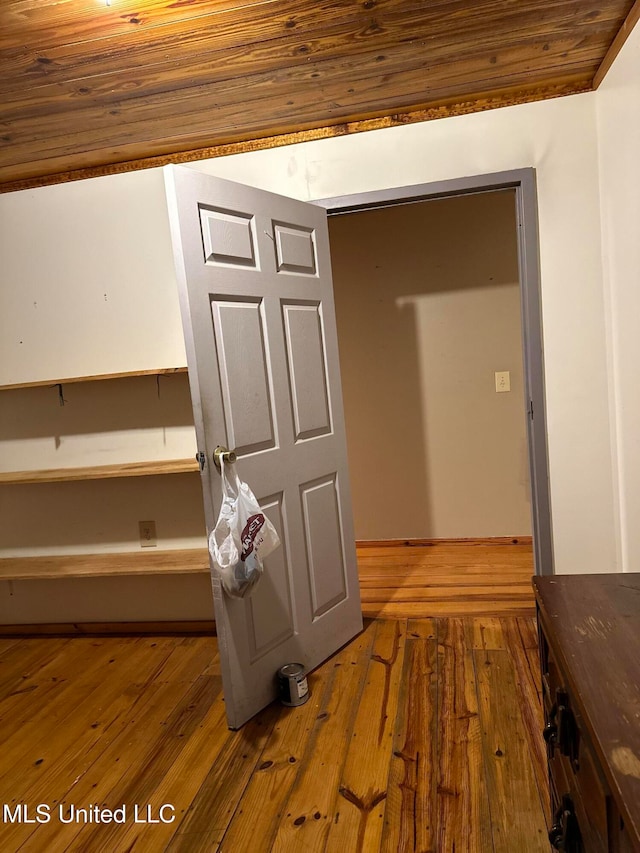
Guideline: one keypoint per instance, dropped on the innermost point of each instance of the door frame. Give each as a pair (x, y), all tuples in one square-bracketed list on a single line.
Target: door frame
[(523, 181)]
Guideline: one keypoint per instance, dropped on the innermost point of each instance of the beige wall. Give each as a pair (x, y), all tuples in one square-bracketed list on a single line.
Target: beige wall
[(618, 113), (428, 308), (123, 420), (101, 423), (134, 599)]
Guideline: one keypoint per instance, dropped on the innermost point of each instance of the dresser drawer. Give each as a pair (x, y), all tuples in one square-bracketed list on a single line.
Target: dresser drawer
[(573, 768), (589, 632), (551, 676), (593, 795)]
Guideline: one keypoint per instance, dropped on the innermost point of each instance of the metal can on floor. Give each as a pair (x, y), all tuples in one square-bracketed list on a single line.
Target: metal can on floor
[(292, 685)]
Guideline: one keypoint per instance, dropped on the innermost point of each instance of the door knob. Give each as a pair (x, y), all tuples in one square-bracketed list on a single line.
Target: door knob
[(227, 456)]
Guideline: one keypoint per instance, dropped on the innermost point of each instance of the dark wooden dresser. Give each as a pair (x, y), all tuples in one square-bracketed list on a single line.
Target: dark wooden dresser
[(589, 633)]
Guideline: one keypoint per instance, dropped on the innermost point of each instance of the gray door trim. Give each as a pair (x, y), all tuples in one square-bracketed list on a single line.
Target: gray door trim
[(523, 181)]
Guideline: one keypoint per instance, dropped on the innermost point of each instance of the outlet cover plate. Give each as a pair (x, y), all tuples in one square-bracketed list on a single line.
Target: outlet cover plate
[(147, 534), (503, 381)]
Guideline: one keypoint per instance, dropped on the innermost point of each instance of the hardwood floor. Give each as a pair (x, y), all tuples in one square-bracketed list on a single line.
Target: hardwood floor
[(420, 735), (446, 578)]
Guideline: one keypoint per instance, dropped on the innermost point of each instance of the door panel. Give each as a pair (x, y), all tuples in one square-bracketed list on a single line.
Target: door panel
[(275, 599), (257, 304), (228, 237), (325, 550), (248, 404), (304, 340), (295, 249)]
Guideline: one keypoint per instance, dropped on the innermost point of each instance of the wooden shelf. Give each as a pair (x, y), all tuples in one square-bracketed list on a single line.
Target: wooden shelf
[(101, 472), (162, 371), (147, 562)]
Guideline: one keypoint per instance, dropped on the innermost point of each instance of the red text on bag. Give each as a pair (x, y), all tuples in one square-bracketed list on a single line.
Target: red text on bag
[(251, 530)]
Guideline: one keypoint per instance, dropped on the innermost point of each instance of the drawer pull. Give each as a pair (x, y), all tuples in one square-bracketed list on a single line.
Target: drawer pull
[(564, 835), (561, 729), (550, 731), (555, 836)]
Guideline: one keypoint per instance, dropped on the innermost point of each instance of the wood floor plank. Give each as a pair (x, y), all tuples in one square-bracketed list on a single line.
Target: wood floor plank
[(455, 552), (422, 575), (409, 818), (6, 645), (63, 664), (421, 629), (214, 805), (484, 632), (427, 593), (517, 818), (39, 765), (463, 815), (528, 628), (358, 819), (24, 662), (458, 554), (196, 842), (422, 610), (29, 690), (92, 705), (533, 659), (310, 808), (90, 774), (181, 783), (253, 826), (446, 579), (449, 552), (528, 697), (520, 554), (461, 564), (470, 542), (137, 787), (529, 633), (456, 559), (52, 718)]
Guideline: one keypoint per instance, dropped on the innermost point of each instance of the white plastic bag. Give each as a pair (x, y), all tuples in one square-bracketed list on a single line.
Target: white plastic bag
[(242, 538)]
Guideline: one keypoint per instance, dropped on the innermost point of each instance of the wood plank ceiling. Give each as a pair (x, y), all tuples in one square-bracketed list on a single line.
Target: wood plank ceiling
[(89, 85)]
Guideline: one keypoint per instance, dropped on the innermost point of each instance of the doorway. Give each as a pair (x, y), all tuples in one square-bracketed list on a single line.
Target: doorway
[(443, 293)]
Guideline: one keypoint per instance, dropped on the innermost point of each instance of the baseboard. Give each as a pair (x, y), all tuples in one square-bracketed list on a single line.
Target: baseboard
[(79, 629), (422, 543)]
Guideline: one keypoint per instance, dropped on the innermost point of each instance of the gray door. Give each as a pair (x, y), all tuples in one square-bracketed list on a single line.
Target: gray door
[(257, 306)]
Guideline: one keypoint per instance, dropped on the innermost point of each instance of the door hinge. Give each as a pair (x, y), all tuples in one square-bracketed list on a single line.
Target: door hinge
[(530, 410), (201, 459)]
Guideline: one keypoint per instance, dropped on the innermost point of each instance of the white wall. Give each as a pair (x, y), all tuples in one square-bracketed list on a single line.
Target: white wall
[(618, 121), (65, 247), (87, 283)]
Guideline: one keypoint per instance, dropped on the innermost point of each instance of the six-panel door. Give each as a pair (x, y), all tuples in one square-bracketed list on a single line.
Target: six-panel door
[(257, 304)]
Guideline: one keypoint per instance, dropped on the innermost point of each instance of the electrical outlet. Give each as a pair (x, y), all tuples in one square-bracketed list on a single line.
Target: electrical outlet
[(503, 381), (147, 534)]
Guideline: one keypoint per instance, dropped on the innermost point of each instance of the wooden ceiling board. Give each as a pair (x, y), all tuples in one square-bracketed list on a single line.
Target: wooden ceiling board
[(222, 80), (83, 85), (159, 66)]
